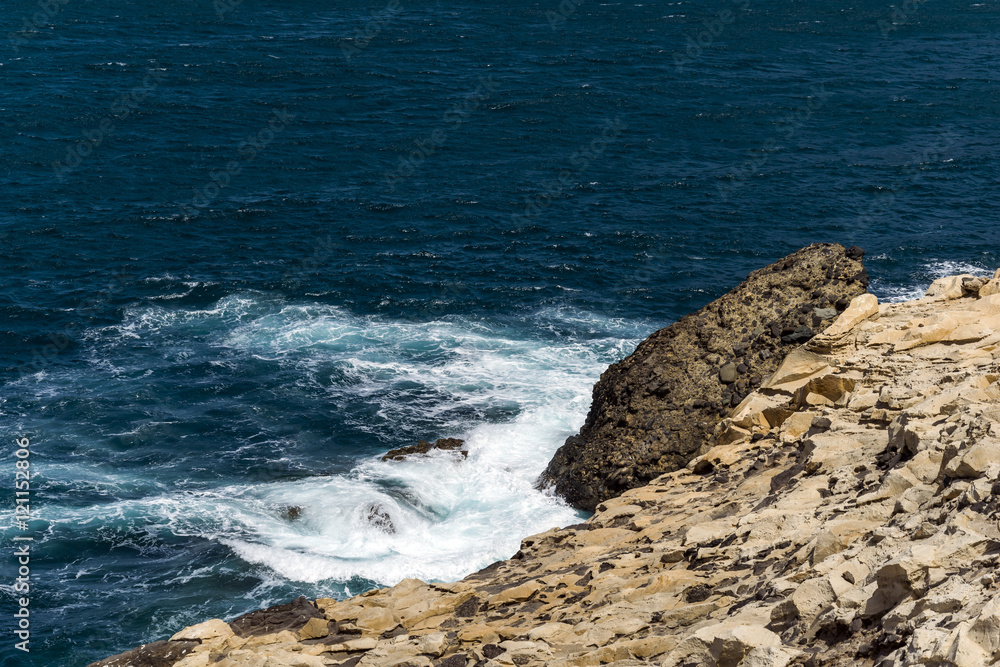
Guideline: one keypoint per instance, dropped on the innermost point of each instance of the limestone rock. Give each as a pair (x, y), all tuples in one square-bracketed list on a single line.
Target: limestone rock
[(212, 630)]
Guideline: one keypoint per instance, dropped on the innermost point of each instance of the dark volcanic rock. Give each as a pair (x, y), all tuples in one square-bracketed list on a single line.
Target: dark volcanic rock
[(653, 411), (423, 447), (380, 519), (291, 616), (155, 654)]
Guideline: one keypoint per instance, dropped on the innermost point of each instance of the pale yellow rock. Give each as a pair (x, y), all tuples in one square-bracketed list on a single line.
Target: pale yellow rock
[(949, 287), (861, 401), (272, 638), (201, 657), (393, 659), (896, 482), (707, 532), (406, 587), (339, 611), (436, 605), (974, 461), (813, 597), (518, 593), (992, 287), (796, 426), (433, 644), (671, 581), (727, 644), (377, 619), (750, 412), (732, 433), (215, 629), (603, 535), (314, 629), (828, 390), (926, 465), (619, 509), (478, 633), (553, 633), (989, 303), (362, 644), (796, 370), (827, 451), (861, 308), (622, 625)]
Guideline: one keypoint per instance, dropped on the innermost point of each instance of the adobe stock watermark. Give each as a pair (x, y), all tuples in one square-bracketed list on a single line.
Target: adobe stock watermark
[(362, 37), (695, 45), (303, 267), (30, 25), (454, 118), (788, 127), (248, 150), (223, 7), (558, 17), (60, 340), (446, 299), (911, 174), (581, 160), (900, 14), (120, 110), (22, 542)]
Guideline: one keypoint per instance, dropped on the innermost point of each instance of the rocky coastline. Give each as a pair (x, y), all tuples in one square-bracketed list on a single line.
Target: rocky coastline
[(839, 510), (657, 408)]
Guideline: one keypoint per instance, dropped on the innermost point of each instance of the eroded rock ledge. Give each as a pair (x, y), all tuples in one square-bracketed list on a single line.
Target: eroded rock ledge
[(656, 409), (846, 515)]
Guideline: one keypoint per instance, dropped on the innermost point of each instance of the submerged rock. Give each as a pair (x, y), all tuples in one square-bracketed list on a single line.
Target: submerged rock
[(378, 518), (655, 410), (423, 447)]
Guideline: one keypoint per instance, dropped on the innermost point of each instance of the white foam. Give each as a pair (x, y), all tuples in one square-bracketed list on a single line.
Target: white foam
[(921, 278), (513, 396)]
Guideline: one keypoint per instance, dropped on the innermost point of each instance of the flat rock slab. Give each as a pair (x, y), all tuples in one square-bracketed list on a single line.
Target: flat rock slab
[(154, 654)]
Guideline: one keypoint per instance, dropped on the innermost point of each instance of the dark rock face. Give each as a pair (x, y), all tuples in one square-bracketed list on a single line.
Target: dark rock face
[(155, 654), (291, 616), (653, 411), (380, 519), (423, 447)]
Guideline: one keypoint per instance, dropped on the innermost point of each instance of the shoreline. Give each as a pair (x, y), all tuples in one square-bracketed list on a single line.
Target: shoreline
[(841, 516)]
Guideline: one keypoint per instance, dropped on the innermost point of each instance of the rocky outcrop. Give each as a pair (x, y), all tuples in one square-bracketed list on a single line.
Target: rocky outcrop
[(424, 447), (844, 516), (655, 410)]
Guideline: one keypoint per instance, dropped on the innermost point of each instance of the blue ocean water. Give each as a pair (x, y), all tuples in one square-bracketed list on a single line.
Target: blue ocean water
[(249, 245)]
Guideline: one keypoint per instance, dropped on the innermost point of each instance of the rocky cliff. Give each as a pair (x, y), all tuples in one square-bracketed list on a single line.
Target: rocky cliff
[(656, 409), (845, 514)]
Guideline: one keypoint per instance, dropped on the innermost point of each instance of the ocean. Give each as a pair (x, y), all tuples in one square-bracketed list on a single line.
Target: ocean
[(249, 246)]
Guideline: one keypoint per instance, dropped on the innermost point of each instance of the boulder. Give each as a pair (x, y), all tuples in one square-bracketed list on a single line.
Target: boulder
[(291, 616), (424, 447), (656, 409), (731, 644)]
